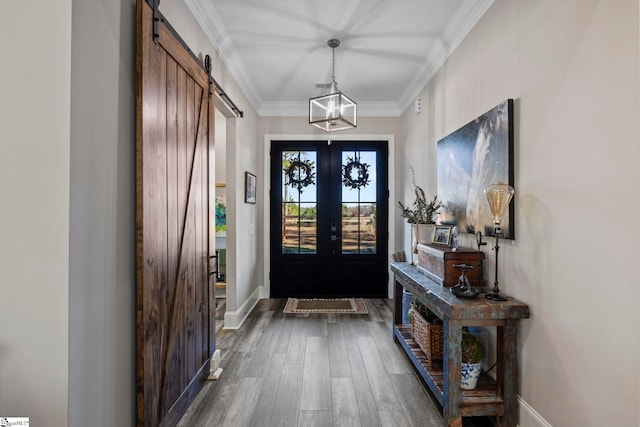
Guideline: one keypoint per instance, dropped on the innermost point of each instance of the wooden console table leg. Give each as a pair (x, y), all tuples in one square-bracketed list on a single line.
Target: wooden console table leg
[(507, 374), (451, 369), (397, 305)]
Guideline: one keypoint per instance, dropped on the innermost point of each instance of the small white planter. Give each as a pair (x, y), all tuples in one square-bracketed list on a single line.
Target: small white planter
[(425, 233), (470, 375), (414, 238)]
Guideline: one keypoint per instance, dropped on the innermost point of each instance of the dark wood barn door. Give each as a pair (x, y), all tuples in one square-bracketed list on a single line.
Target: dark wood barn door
[(175, 330)]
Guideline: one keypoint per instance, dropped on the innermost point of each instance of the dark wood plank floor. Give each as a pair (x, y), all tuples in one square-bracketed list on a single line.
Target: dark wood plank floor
[(305, 370)]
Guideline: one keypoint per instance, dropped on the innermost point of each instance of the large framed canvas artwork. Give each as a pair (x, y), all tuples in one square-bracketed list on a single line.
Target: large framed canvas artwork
[(469, 159)]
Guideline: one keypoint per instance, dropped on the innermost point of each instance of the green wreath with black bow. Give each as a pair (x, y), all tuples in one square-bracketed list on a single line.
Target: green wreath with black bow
[(362, 170), (301, 174)]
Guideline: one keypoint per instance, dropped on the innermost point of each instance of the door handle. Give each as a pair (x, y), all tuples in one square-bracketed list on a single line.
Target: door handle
[(334, 228)]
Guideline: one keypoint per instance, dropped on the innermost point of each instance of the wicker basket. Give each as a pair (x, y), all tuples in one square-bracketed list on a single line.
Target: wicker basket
[(429, 336)]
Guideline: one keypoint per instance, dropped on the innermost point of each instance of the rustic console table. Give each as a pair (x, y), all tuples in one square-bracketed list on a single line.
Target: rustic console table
[(491, 397)]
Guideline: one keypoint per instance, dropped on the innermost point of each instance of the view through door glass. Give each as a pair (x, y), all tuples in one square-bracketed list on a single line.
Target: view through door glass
[(328, 208)]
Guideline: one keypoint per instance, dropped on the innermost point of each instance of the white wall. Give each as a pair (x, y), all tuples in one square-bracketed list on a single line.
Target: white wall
[(35, 41), (102, 228), (244, 219), (220, 147), (573, 67)]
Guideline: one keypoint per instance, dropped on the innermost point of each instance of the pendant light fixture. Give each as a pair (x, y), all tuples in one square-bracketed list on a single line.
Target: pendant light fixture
[(335, 110)]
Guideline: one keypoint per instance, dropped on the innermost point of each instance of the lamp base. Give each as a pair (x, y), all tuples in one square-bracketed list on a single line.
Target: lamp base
[(495, 297)]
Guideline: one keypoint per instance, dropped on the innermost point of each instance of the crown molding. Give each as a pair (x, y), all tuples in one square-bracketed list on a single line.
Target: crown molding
[(379, 109), (301, 109), (207, 17), (465, 18)]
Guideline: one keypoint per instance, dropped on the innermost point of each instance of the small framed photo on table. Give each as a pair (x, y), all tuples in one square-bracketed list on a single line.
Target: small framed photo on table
[(249, 188), (442, 235)]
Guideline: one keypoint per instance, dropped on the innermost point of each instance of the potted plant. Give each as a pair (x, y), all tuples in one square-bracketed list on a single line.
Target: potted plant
[(472, 354), (421, 215)]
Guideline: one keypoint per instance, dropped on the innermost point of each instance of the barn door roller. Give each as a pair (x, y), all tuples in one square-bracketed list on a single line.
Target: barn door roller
[(223, 95), (157, 16), (207, 68), (213, 84)]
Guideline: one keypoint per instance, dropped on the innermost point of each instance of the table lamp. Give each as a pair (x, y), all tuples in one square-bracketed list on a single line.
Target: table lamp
[(499, 195)]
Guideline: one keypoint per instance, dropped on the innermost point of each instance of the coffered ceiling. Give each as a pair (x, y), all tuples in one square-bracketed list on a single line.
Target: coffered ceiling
[(277, 49)]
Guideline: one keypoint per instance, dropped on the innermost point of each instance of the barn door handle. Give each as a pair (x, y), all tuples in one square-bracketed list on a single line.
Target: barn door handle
[(334, 238), (216, 267)]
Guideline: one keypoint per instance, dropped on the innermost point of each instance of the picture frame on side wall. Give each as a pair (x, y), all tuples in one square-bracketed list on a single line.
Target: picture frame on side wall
[(249, 188), (221, 209)]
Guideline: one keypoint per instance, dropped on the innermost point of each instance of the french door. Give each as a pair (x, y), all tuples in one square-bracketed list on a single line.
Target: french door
[(329, 219)]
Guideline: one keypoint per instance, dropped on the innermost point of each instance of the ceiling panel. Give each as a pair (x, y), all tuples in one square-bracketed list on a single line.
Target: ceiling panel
[(277, 49)]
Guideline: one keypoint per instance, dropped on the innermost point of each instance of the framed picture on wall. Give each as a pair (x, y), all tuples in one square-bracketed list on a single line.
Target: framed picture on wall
[(442, 235), (221, 209), (249, 187), (471, 158)]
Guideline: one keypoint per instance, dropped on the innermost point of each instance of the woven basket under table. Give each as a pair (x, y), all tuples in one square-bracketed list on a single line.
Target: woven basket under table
[(429, 336)]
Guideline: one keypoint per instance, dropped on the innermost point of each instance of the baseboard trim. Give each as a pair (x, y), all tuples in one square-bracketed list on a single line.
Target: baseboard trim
[(235, 319), (263, 292), (529, 417)]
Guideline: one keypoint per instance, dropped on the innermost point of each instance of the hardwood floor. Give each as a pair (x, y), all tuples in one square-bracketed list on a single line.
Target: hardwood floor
[(221, 307), (315, 370)]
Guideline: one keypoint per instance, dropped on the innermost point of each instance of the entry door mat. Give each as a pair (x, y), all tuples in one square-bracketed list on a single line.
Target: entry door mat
[(325, 305)]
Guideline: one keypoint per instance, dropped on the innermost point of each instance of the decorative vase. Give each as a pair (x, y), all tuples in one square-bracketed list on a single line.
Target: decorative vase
[(414, 240), (470, 375), (425, 233)]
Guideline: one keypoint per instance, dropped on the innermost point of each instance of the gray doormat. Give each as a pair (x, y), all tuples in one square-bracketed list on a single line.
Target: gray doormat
[(325, 305)]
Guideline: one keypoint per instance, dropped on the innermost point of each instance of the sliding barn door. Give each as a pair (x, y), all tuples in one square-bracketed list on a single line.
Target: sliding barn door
[(175, 330)]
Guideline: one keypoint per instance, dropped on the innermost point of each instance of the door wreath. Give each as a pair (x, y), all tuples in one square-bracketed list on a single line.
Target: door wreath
[(361, 170), (301, 174)]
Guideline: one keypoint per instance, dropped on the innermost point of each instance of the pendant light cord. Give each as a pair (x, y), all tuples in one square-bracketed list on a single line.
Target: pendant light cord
[(333, 66)]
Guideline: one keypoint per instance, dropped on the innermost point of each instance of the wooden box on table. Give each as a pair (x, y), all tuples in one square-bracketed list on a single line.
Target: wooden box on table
[(437, 262)]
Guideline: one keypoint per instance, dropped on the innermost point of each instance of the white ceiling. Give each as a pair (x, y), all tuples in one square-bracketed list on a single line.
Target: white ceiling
[(277, 49)]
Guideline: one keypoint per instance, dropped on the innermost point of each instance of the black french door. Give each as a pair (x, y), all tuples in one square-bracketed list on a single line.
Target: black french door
[(329, 219)]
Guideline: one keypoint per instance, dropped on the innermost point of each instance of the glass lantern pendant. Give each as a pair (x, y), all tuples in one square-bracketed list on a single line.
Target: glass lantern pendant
[(335, 110)]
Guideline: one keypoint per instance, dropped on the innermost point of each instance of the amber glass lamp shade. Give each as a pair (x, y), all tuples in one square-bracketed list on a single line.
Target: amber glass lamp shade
[(499, 196)]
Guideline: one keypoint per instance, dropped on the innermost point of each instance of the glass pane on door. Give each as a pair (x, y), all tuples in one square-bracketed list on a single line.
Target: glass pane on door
[(299, 202), (359, 221)]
